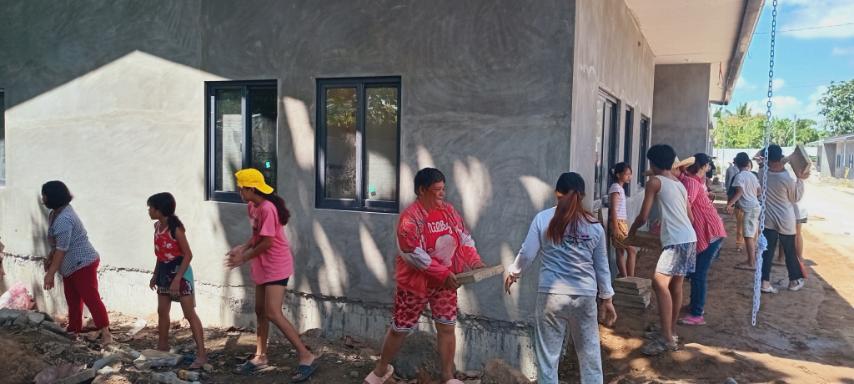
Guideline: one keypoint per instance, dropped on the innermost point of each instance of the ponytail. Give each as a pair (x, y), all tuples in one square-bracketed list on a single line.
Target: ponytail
[(164, 203), (174, 223), (279, 203), (570, 207), (570, 210)]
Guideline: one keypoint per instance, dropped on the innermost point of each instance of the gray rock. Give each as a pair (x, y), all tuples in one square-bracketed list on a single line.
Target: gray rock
[(473, 374), (35, 318), (54, 327), (153, 359), (105, 361), (418, 352), (499, 372), (9, 315), (354, 374), (22, 320), (79, 377), (167, 378), (730, 380)]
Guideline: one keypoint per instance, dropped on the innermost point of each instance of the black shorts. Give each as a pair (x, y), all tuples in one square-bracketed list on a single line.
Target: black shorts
[(166, 273), (283, 282)]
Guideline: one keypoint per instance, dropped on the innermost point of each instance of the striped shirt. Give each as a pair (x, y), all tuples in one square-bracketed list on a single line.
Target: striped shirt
[(621, 200), (67, 234), (707, 223)]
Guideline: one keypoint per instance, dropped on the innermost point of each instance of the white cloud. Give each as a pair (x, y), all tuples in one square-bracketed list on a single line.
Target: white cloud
[(785, 106), (842, 51), (776, 84), (742, 83), (810, 19)]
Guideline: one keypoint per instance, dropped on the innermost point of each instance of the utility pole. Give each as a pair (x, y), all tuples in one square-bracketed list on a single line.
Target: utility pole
[(795, 132)]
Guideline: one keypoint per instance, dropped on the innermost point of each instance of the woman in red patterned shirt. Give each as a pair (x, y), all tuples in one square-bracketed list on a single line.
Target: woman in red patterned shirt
[(710, 235), (434, 246)]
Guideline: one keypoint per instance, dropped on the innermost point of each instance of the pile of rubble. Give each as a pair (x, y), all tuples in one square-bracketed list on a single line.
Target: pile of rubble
[(70, 361)]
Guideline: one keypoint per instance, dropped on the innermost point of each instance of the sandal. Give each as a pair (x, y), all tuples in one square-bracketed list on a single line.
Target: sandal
[(197, 364), (454, 381), (744, 266), (304, 372), (374, 379), (249, 368)]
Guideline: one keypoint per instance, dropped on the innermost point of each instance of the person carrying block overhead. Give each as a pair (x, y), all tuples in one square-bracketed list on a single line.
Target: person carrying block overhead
[(678, 241), (434, 245)]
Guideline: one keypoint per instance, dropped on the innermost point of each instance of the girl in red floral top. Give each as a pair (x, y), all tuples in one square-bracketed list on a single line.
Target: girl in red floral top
[(173, 277), (434, 246)]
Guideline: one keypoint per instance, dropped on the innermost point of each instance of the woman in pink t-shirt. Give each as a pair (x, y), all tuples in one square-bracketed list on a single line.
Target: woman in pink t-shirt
[(272, 265)]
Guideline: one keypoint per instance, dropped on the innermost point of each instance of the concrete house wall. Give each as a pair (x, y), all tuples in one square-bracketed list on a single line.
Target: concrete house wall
[(681, 110), (611, 56), (109, 97)]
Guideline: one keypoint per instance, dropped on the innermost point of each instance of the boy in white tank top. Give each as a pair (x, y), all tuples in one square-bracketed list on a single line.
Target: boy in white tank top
[(678, 241)]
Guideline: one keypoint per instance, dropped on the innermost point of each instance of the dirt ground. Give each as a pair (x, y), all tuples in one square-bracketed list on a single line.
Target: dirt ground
[(800, 337)]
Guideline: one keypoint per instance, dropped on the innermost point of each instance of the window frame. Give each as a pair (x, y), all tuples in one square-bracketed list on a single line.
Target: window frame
[(609, 142), (360, 202), (211, 87), (645, 132), (628, 141)]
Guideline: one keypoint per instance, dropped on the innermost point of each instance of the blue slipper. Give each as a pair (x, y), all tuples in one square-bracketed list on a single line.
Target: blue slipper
[(304, 372)]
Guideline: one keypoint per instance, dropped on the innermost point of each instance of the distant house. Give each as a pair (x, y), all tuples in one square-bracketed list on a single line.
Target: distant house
[(836, 156), (339, 103)]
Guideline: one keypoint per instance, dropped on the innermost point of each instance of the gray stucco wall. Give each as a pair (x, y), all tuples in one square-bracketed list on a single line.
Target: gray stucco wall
[(611, 56), (108, 97), (681, 107)]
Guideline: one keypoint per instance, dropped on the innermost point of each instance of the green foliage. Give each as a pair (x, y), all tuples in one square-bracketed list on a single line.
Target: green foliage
[(745, 129), (837, 106)]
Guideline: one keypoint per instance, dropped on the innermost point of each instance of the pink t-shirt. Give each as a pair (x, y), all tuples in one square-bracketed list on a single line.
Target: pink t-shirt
[(276, 263)]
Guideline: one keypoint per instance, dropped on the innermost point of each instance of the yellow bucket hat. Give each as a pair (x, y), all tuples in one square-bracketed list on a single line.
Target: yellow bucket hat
[(252, 178)]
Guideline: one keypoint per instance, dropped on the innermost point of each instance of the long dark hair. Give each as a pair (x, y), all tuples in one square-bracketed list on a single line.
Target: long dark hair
[(570, 208), (279, 203), (164, 203), (617, 171), (56, 194)]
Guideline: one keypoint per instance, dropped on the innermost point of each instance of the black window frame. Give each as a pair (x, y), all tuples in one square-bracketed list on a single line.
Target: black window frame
[(210, 116), (360, 202), (644, 142), (609, 142), (628, 141)]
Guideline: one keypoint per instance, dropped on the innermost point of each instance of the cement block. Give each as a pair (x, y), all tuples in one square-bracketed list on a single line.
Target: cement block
[(632, 291), (620, 302), (633, 283), (632, 298), (479, 274)]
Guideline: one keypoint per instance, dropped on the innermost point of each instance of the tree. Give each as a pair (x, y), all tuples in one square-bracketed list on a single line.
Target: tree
[(837, 106), (745, 129)]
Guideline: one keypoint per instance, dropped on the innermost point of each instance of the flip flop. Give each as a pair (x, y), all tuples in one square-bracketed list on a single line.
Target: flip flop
[(197, 364), (454, 381), (304, 372), (744, 266), (249, 368), (374, 379)]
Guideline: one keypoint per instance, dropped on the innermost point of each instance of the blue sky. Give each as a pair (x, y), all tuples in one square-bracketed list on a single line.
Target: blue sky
[(815, 45)]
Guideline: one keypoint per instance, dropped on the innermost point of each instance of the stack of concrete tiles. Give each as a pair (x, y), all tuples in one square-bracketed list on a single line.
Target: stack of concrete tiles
[(632, 292)]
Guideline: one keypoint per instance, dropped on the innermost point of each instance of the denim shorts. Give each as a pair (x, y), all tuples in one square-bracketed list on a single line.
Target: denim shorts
[(677, 259)]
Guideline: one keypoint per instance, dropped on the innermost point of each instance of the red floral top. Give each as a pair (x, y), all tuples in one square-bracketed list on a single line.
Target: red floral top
[(432, 245)]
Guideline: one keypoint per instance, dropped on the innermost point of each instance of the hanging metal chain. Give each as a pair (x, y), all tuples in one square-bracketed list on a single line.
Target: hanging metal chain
[(762, 244)]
